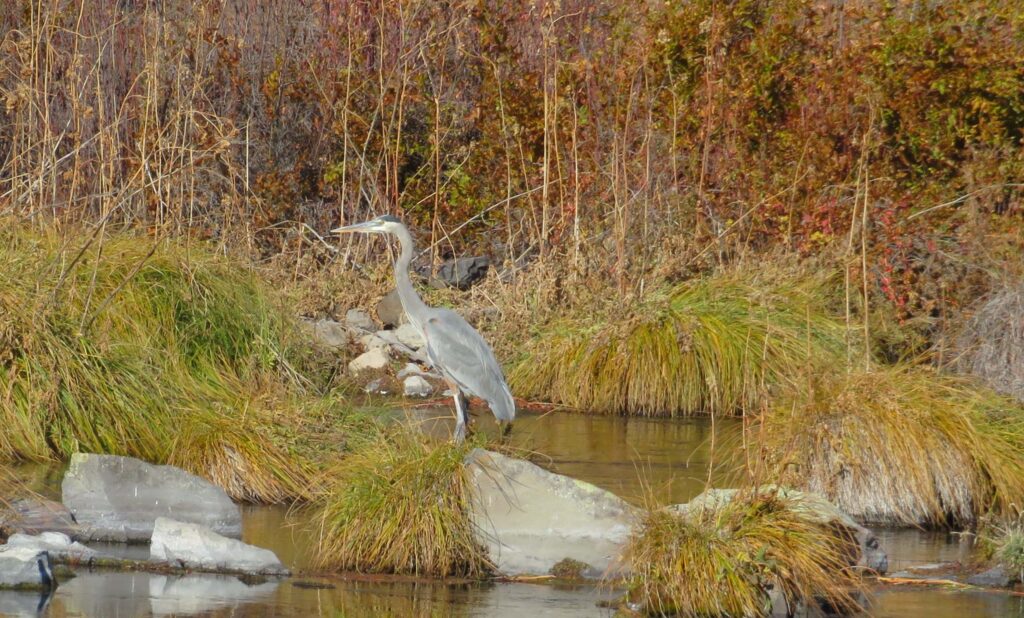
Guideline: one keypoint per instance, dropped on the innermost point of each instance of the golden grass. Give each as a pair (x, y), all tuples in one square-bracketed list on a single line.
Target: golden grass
[(721, 560), (709, 346), (161, 351), (399, 504), (900, 445)]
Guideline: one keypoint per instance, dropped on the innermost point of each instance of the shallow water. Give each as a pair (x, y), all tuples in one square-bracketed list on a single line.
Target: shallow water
[(635, 458)]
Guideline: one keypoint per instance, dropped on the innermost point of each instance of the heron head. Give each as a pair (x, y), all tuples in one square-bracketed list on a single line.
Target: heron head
[(378, 225)]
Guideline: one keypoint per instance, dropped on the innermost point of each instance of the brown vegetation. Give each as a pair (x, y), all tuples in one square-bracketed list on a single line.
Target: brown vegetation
[(637, 142)]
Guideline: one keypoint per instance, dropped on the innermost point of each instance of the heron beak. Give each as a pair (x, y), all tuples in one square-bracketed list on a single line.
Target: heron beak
[(366, 226)]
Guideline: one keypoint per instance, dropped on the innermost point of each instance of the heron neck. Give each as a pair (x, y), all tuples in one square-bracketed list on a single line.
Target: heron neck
[(413, 305)]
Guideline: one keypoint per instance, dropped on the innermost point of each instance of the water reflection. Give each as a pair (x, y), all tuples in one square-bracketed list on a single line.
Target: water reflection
[(622, 455), (940, 603), (627, 456)]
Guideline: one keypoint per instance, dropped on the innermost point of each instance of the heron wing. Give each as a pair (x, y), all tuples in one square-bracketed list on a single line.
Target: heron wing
[(462, 354)]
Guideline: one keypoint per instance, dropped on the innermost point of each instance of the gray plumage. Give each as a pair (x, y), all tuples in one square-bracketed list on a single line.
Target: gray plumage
[(454, 347)]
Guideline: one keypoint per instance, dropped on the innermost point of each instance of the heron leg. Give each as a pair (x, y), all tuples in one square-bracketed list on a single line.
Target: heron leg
[(506, 428), (461, 413)]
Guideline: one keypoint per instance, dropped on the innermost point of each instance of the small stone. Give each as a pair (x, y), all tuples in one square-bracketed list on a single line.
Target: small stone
[(996, 577), (359, 319), (373, 342), (390, 311), (410, 369), (60, 546), (25, 567), (388, 337), (408, 335), (371, 360), (196, 547), (330, 334), (415, 386), (377, 387)]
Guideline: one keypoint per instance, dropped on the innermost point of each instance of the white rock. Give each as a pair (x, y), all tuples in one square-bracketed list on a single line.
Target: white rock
[(197, 547), (118, 498), (415, 386), (408, 335), (373, 342), (359, 319), (530, 519), (57, 544), (374, 359), (25, 567)]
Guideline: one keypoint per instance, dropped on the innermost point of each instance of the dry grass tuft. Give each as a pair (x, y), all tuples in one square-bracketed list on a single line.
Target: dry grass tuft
[(991, 344), (155, 350), (897, 445), (711, 346), (721, 561), (399, 504)]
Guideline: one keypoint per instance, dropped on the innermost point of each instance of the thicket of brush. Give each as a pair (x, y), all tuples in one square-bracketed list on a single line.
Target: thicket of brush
[(710, 346), (144, 347), (645, 131), (722, 560), (399, 503), (897, 445)]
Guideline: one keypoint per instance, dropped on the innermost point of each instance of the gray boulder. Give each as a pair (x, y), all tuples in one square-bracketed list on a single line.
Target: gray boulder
[(35, 515), (415, 386), (119, 498), (359, 320), (25, 568), (531, 519), (59, 545), (197, 547), (814, 507), (390, 311)]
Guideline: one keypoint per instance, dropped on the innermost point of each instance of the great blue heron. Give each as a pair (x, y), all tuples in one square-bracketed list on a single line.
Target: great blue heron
[(453, 346)]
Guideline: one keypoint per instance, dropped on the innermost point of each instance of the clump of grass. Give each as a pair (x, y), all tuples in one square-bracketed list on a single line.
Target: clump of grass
[(1010, 550), (722, 560), (710, 346), (898, 445), (399, 504), (991, 343), (151, 349)]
